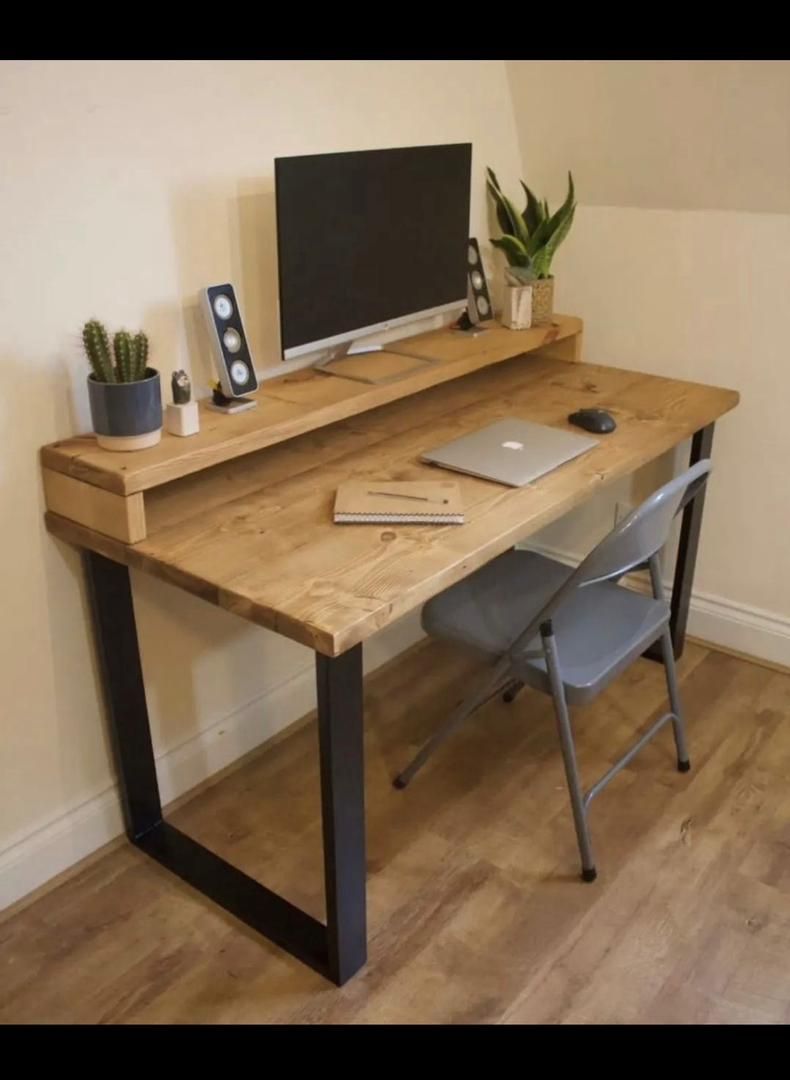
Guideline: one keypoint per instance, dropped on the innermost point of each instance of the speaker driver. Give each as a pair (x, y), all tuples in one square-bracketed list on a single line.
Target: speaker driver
[(223, 306)]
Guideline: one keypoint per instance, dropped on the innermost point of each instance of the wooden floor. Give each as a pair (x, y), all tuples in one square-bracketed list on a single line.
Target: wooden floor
[(475, 908)]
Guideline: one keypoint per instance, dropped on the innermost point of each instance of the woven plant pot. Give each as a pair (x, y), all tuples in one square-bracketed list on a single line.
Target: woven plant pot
[(542, 301)]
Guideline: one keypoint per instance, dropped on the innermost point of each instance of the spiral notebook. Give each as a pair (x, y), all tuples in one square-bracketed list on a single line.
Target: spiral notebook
[(378, 502)]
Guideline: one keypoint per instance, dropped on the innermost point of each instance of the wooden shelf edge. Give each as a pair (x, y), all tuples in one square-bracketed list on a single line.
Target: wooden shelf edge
[(128, 474), (118, 516)]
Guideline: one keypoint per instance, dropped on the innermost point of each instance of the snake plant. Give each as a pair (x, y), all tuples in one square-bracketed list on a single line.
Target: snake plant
[(530, 238)]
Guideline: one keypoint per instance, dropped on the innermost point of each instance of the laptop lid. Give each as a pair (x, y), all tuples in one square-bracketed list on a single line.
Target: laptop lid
[(510, 451)]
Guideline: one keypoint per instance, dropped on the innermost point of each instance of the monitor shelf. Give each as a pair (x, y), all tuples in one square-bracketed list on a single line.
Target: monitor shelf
[(105, 490)]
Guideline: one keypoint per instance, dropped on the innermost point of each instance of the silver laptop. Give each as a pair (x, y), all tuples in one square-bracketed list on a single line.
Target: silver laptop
[(511, 451)]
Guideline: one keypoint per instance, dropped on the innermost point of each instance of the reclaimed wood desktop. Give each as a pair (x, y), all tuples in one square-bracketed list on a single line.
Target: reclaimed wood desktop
[(243, 519)]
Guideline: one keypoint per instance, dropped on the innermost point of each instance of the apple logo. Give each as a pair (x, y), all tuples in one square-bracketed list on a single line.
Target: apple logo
[(512, 445)]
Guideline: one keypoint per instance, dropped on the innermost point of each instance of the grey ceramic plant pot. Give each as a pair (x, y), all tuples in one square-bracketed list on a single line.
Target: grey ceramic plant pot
[(127, 416)]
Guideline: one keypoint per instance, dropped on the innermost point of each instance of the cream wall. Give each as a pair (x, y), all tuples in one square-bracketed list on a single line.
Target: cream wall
[(668, 134), (679, 262), (124, 187)]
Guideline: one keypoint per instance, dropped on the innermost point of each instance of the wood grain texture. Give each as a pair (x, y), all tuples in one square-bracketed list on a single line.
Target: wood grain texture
[(256, 536), (291, 405), (476, 914), (114, 515), (570, 348)]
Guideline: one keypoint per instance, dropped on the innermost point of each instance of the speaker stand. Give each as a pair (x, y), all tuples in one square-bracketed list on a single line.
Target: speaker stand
[(229, 405), (465, 326)]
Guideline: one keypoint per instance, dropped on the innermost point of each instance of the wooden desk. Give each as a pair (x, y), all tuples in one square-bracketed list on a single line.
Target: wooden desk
[(254, 535)]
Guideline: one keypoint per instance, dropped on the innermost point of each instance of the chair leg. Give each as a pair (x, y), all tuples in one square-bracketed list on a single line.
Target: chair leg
[(565, 732), (678, 724), (454, 721)]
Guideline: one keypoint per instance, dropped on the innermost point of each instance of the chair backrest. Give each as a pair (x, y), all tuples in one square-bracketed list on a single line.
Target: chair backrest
[(632, 542), (644, 531)]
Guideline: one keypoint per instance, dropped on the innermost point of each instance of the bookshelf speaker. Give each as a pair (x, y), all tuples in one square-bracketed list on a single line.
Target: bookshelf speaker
[(478, 297), (228, 341)]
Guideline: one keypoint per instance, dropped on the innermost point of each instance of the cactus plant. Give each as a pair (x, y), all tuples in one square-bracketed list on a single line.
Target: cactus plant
[(122, 346), (530, 239), (130, 354), (97, 347), (124, 393), (140, 353)]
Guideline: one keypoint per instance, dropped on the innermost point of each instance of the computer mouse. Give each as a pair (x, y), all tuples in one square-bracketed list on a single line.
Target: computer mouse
[(598, 421)]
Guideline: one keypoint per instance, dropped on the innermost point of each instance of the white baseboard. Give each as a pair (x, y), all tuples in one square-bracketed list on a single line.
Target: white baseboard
[(35, 858), (740, 627)]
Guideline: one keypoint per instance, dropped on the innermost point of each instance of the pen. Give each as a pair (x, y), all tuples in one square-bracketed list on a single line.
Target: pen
[(419, 498)]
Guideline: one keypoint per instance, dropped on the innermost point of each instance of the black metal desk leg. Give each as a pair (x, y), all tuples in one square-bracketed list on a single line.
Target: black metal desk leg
[(119, 657), (340, 731), (336, 950), (690, 526)]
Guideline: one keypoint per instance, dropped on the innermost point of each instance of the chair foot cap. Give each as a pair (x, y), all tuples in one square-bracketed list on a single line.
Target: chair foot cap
[(589, 874), (399, 783), (684, 766)]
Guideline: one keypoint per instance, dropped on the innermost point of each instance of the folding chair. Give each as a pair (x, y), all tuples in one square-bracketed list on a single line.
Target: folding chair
[(568, 633)]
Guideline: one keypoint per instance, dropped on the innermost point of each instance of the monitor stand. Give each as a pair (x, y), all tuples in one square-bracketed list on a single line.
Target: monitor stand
[(371, 364)]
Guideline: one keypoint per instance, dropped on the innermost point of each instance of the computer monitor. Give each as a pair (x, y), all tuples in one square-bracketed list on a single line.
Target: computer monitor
[(369, 240)]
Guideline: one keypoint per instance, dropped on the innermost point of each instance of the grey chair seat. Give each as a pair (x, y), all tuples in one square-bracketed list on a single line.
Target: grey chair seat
[(599, 629)]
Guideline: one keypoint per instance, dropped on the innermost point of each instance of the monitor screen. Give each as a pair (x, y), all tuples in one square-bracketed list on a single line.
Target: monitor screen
[(369, 239)]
